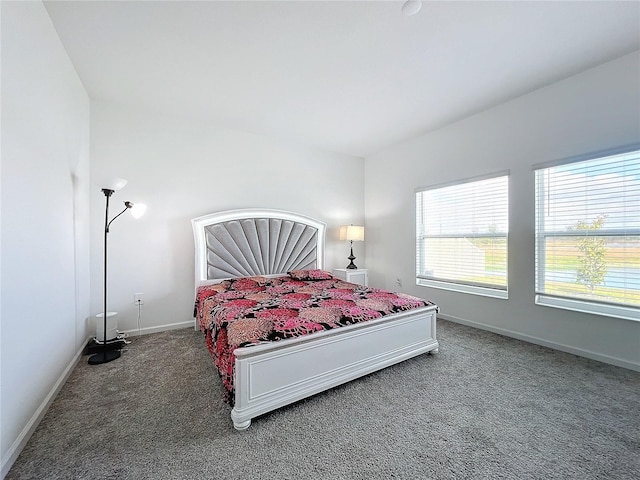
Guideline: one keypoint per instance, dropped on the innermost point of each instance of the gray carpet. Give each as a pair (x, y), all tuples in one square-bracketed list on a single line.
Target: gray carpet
[(485, 407)]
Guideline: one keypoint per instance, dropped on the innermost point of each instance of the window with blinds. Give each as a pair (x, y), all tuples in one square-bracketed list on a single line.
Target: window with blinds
[(461, 236), (587, 230)]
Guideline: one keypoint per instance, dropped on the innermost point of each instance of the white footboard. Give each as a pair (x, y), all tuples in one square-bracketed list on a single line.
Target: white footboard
[(272, 375)]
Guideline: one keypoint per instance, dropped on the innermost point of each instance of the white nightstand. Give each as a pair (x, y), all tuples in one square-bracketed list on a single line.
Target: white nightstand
[(353, 275)]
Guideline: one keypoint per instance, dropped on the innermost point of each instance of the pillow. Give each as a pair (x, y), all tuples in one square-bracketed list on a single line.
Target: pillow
[(310, 275)]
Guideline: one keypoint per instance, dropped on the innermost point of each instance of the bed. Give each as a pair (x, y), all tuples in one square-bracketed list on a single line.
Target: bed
[(278, 326)]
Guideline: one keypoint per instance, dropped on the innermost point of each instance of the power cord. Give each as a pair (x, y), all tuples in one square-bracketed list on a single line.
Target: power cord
[(138, 319), (121, 337)]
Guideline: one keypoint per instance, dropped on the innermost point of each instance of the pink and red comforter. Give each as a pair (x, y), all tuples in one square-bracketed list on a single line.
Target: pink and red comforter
[(252, 310)]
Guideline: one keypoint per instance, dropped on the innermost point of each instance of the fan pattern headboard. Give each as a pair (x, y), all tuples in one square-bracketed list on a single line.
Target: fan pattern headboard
[(240, 243)]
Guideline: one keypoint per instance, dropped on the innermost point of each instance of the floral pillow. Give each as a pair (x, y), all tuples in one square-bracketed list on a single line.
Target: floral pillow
[(310, 275)]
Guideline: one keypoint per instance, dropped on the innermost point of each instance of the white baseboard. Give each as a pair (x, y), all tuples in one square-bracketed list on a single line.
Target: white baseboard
[(162, 328), (34, 421), (618, 362)]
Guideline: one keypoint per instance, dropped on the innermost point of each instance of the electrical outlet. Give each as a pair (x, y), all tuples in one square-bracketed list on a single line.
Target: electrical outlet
[(138, 298), (399, 281)]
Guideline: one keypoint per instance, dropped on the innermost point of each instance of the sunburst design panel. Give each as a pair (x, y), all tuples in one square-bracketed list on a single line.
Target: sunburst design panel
[(248, 246)]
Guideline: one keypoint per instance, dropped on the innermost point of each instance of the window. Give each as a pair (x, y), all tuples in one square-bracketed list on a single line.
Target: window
[(588, 235), (461, 236)]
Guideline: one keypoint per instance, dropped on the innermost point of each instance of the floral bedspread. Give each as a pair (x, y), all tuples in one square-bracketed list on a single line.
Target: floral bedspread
[(252, 310)]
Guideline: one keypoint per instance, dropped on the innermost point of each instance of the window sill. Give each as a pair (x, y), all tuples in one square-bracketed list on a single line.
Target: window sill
[(616, 311), (455, 287)]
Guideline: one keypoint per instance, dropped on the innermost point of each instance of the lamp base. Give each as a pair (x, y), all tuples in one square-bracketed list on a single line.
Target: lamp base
[(95, 347), (351, 257), (104, 357)]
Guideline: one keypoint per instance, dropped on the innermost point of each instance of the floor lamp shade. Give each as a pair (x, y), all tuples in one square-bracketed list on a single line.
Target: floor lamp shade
[(111, 183), (107, 354)]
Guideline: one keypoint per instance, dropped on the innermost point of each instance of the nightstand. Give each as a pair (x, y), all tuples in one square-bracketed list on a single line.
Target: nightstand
[(353, 275)]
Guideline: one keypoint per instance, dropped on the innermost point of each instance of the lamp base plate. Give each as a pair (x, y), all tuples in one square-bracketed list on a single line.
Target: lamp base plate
[(104, 357), (95, 347)]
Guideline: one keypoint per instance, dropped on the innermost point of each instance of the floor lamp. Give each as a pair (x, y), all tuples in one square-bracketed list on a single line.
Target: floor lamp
[(105, 354)]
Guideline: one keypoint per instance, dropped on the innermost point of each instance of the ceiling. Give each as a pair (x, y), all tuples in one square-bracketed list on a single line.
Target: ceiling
[(352, 77)]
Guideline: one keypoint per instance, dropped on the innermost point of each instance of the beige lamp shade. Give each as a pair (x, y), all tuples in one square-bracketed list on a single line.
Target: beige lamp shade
[(354, 233)]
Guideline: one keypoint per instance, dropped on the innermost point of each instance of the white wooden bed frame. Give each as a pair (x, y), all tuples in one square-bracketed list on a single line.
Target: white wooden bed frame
[(269, 376)]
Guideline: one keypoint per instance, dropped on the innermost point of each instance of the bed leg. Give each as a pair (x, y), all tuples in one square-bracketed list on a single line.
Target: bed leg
[(434, 351), (242, 425), (239, 422)]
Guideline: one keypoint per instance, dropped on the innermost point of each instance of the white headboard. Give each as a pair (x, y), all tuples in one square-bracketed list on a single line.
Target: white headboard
[(240, 243)]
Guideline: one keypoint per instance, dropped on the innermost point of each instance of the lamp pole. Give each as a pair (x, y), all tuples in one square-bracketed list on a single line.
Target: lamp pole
[(106, 355)]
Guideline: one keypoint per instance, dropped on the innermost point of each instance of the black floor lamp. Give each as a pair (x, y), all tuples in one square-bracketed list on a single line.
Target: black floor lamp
[(106, 354)]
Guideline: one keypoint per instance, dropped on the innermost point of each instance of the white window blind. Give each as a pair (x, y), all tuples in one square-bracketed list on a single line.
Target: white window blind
[(588, 235), (461, 236)]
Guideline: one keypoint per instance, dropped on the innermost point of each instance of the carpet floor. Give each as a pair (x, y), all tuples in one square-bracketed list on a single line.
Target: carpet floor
[(485, 407)]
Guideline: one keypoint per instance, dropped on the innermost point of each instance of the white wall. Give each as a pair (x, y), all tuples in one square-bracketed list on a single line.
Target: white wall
[(45, 223), (595, 110), (182, 170)]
